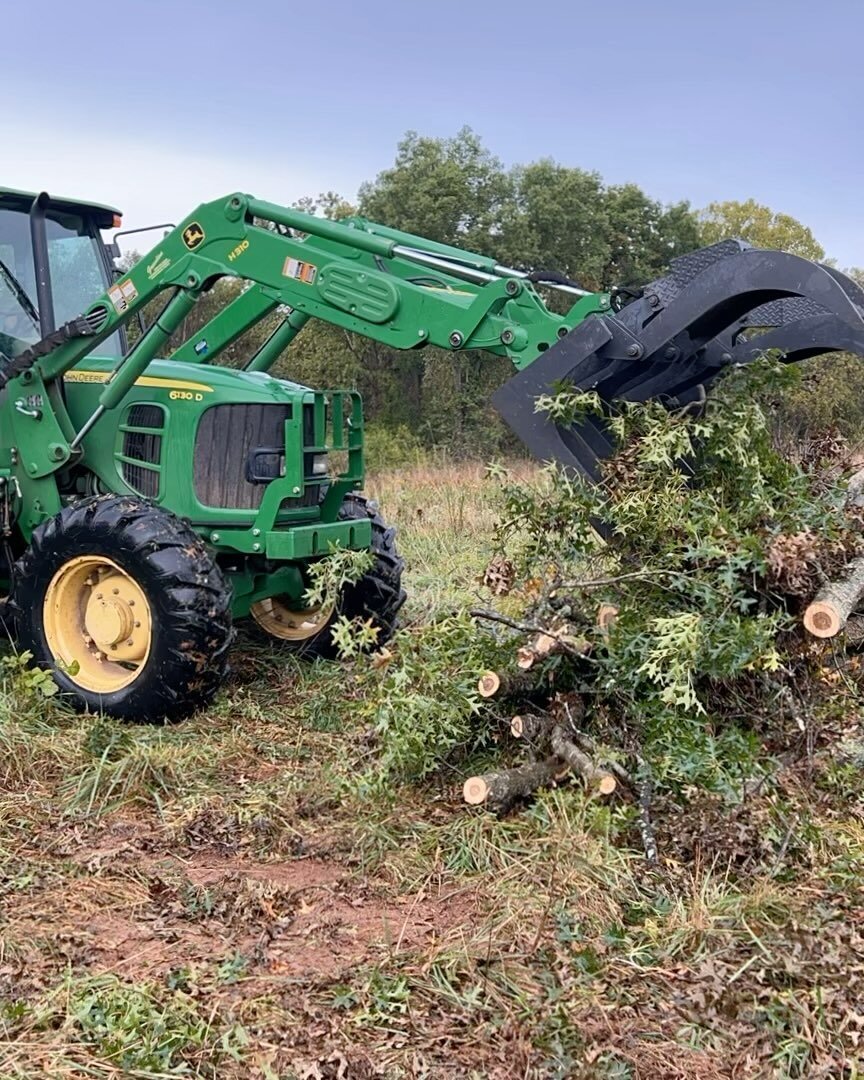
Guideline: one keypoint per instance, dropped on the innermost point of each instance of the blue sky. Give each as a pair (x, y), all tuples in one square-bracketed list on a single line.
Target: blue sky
[(158, 106)]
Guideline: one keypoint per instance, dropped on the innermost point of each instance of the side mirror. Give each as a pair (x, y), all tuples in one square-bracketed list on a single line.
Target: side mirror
[(114, 247)]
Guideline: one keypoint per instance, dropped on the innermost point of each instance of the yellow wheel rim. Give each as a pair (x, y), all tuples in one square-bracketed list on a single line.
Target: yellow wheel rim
[(281, 621), (97, 623)]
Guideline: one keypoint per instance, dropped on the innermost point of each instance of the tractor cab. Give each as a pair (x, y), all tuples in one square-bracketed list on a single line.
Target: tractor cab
[(53, 264)]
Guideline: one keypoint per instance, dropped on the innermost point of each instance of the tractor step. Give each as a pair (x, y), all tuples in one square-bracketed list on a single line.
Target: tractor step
[(725, 305)]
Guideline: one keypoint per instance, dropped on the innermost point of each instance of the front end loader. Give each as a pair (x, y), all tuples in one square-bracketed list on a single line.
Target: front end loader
[(150, 496)]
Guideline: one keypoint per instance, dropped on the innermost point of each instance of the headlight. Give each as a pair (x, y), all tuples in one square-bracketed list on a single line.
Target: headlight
[(319, 464)]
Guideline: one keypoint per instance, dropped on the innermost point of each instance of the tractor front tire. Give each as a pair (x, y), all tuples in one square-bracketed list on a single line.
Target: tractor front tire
[(122, 601), (377, 595)]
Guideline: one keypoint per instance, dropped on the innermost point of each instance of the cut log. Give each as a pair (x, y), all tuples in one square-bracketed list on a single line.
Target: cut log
[(531, 728), (498, 790), (491, 683), (601, 780), (826, 616), (545, 645)]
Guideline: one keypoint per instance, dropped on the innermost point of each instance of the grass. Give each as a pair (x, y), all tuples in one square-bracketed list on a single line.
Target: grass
[(219, 899)]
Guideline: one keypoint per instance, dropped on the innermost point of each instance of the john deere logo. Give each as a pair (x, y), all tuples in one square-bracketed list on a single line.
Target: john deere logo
[(193, 236)]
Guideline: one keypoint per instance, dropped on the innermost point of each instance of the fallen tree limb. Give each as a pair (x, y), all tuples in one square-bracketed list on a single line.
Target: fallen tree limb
[(600, 779), (499, 790), (565, 643), (826, 616), (587, 744)]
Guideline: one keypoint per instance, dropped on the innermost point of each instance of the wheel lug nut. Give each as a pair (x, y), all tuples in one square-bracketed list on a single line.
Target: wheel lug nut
[(130, 642), (137, 624), (98, 595), (116, 592), (131, 604)]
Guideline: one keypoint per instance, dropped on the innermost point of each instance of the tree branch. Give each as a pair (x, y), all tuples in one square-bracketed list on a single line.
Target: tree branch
[(527, 628)]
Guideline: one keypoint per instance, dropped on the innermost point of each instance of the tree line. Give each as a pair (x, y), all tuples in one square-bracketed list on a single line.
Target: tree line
[(543, 215)]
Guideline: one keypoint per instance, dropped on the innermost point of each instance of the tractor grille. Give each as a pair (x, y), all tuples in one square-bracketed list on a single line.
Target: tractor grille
[(142, 449), (230, 440), (146, 416)]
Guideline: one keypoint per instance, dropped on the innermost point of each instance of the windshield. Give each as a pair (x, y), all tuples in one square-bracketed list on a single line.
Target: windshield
[(78, 276)]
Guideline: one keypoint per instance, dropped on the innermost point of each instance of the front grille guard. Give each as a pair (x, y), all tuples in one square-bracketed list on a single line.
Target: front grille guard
[(332, 426)]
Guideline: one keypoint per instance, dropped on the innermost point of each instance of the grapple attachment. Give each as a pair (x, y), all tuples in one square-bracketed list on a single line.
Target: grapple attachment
[(725, 304)]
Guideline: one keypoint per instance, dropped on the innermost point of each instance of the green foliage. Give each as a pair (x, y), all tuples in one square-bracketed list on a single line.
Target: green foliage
[(644, 236), (130, 1027), (24, 683), (393, 447), (354, 637), (449, 190), (824, 394), (329, 576), (421, 701)]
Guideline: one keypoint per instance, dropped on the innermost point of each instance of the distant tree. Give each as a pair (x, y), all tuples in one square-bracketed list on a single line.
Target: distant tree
[(555, 218), (329, 204), (448, 190), (644, 235), (760, 226)]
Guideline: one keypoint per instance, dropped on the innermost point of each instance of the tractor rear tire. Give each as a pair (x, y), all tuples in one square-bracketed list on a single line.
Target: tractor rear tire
[(123, 602), (378, 595)]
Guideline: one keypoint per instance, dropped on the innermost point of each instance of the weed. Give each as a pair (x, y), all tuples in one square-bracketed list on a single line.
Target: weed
[(140, 1030)]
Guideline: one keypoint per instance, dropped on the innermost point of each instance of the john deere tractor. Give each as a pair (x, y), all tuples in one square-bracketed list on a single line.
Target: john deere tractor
[(148, 496)]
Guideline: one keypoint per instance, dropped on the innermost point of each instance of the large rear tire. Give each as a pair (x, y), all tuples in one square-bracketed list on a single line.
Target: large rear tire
[(122, 601), (378, 595)]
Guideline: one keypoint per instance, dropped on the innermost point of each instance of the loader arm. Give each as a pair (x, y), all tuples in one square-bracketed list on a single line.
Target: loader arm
[(406, 292)]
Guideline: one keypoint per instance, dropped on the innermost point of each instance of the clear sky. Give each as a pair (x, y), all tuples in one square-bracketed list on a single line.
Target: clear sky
[(158, 106)]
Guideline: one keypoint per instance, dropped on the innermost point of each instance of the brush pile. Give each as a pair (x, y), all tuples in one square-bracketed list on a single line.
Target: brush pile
[(687, 623)]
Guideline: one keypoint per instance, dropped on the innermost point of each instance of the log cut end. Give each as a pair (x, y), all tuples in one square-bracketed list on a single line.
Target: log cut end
[(822, 620), (475, 791), (489, 684), (607, 784)]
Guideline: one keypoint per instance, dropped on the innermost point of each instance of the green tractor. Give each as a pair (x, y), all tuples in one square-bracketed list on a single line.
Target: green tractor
[(149, 496)]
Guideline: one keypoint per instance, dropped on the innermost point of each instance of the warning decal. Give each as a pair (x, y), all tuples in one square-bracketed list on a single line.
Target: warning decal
[(122, 295), (302, 271)]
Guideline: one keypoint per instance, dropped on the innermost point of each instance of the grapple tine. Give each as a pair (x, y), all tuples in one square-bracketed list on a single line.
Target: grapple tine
[(679, 335), (579, 447), (805, 338)]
